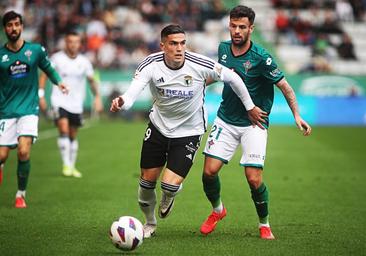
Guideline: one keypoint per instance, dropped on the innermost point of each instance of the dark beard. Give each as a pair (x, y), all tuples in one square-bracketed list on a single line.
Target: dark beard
[(241, 43), (12, 38)]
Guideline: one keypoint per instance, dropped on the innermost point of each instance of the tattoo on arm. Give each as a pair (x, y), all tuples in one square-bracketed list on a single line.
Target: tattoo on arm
[(290, 96)]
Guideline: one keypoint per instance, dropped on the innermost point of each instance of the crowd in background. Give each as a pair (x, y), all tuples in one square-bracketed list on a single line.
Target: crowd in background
[(120, 33), (117, 33), (317, 24)]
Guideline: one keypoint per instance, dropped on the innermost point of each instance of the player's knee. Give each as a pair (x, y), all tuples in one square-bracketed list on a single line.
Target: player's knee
[(210, 171), (3, 156), (254, 181), (23, 154)]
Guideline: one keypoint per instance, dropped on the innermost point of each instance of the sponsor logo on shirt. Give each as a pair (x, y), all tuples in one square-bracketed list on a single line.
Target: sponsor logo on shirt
[(269, 61), (18, 69), (175, 93), (275, 72), (5, 58)]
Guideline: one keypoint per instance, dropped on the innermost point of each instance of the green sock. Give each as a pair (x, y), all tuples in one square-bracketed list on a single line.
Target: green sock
[(261, 199), (211, 186), (23, 174)]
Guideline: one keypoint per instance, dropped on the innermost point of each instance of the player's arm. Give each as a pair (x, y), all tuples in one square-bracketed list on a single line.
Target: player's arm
[(94, 86), (41, 91), (125, 101), (46, 66), (290, 97), (255, 114)]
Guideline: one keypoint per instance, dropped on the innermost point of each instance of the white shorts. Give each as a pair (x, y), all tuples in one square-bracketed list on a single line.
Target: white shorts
[(224, 139), (11, 129)]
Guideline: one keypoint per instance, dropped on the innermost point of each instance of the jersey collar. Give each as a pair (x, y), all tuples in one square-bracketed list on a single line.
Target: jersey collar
[(174, 68), (10, 50), (237, 56)]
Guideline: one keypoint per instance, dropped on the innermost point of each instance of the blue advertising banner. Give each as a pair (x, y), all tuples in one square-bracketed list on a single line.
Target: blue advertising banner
[(315, 110)]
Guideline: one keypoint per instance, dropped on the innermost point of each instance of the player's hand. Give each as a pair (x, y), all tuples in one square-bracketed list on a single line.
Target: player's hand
[(63, 87), (117, 104), (43, 104), (256, 116), (98, 105), (303, 126)]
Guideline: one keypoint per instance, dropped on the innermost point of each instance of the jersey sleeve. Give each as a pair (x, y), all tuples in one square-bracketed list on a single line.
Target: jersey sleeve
[(270, 70), (236, 83), (44, 63), (89, 70), (140, 80)]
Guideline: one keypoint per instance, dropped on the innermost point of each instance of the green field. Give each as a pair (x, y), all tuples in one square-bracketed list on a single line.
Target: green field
[(317, 190)]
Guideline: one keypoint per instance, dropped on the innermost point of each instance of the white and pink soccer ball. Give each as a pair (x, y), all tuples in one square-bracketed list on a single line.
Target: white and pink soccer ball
[(127, 233)]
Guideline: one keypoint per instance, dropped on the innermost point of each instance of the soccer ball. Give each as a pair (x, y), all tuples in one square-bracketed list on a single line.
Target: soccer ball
[(127, 233)]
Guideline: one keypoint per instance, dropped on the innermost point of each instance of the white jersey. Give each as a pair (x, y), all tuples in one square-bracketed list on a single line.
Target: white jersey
[(73, 72), (178, 94)]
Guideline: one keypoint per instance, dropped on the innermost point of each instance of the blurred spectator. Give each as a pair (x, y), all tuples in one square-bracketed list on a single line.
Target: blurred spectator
[(344, 10), (320, 45), (359, 7), (282, 22), (330, 24), (345, 49), (15, 5), (96, 32), (318, 64)]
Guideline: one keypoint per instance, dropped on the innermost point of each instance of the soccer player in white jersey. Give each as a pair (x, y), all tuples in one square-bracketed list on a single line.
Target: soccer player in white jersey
[(176, 78), (74, 68)]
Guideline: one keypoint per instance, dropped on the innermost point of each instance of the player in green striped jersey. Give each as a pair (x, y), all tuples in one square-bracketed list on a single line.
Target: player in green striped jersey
[(232, 127), (19, 62)]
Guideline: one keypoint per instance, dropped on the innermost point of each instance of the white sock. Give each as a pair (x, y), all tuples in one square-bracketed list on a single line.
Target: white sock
[(263, 225), (63, 143), (147, 202), (219, 208), (20, 193), (74, 146)]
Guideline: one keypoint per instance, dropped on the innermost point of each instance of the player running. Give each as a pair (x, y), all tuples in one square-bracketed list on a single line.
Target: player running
[(177, 81), (19, 62), (233, 127), (74, 68)]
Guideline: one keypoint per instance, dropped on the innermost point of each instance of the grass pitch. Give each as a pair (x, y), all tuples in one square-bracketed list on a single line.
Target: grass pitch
[(317, 198)]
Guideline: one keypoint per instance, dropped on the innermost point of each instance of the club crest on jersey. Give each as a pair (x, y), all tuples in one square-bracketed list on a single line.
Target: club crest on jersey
[(247, 65), (188, 80), (28, 53), (5, 58)]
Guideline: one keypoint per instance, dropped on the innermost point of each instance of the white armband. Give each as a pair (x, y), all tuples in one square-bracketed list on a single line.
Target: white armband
[(41, 93)]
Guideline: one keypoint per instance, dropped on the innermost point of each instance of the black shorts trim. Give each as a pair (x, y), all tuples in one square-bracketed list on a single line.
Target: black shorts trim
[(75, 120), (176, 153)]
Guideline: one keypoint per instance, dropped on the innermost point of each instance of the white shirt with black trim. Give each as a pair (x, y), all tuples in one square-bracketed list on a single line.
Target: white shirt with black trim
[(178, 94), (73, 72)]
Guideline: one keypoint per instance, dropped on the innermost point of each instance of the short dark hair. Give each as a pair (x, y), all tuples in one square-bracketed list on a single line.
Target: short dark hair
[(11, 15), (242, 11), (171, 29), (72, 32)]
